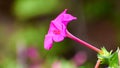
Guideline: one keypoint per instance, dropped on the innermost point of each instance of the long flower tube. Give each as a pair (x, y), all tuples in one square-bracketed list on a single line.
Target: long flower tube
[(69, 35)]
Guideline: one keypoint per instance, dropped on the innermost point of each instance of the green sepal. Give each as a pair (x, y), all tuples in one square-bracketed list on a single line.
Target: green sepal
[(113, 60), (109, 58), (104, 56)]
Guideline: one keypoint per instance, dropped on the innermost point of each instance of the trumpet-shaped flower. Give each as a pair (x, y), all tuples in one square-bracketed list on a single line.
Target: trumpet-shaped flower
[(57, 29)]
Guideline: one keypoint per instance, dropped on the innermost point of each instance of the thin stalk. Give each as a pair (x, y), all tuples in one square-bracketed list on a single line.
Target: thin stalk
[(69, 35), (97, 64), (119, 57)]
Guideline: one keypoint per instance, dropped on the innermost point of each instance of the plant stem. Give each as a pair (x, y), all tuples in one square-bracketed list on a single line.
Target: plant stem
[(97, 64), (119, 57), (69, 35)]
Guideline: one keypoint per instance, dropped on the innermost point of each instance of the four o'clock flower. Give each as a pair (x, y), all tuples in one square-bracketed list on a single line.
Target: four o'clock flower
[(57, 29)]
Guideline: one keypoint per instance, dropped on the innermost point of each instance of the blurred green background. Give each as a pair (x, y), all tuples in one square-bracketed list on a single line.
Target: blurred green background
[(24, 23)]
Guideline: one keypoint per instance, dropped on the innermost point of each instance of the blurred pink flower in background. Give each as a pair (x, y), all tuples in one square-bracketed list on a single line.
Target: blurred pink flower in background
[(32, 52), (80, 58), (35, 66), (57, 29), (34, 57), (56, 64)]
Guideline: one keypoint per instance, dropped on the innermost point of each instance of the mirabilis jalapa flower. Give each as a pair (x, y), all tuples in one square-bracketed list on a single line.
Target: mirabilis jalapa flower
[(57, 29)]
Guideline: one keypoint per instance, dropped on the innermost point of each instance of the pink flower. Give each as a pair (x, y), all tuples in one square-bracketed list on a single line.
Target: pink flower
[(57, 64), (57, 29), (32, 53), (80, 58)]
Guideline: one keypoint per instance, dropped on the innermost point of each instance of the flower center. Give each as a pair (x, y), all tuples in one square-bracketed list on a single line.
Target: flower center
[(56, 32)]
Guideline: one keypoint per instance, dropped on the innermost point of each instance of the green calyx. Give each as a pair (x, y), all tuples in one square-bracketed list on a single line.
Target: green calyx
[(109, 58), (104, 56)]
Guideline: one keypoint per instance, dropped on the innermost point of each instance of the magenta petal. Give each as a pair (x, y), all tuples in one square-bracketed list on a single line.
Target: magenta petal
[(58, 38), (51, 28), (48, 42), (57, 25), (67, 18), (61, 27), (63, 31), (57, 29), (60, 16)]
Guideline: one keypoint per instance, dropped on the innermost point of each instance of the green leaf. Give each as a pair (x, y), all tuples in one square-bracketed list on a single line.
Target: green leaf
[(113, 60), (25, 9)]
